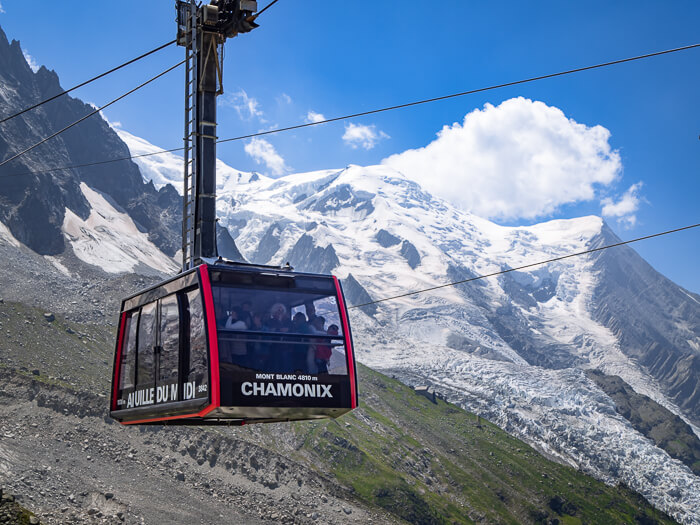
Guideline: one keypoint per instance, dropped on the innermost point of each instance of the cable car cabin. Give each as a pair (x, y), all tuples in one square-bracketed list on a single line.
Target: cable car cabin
[(234, 344)]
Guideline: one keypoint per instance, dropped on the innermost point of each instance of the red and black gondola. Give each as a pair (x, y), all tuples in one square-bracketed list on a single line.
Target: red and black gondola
[(228, 343)]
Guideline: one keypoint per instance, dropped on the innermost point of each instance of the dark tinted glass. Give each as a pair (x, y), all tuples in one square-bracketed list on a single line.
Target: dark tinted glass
[(169, 340), (196, 374), (128, 352), (286, 329), (146, 344)]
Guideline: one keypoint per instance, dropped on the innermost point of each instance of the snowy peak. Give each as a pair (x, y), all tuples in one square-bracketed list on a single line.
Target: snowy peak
[(163, 168), (513, 347), (392, 237)]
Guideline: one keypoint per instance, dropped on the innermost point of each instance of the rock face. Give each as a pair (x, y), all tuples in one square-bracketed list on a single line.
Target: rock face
[(656, 322), (35, 193), (386, 239), (226, 246), (659, 424), (355, 294), (269, 244), (307, 257), (409, 252)]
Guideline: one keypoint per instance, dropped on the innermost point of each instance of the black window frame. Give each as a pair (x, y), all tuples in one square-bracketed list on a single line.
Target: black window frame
[(325, 288), (184, 348)]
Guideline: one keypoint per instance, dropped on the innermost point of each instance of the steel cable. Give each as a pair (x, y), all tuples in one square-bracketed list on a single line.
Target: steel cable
[(389, 108), (90, 114), (87, 82)]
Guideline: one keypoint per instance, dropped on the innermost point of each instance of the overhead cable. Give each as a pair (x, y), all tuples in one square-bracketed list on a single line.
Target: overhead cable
[(461, 94), (577, 254), (91, 114), (87, 81), (95, 163), (389, 108)]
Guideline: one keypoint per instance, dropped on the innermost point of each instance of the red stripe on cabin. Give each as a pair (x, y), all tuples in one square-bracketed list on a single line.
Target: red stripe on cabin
[(348, 343), (213, 337), (118, 359), (201, 413)]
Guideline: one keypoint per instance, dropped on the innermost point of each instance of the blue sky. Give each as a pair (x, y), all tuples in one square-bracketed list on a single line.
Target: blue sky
[(324, 57)]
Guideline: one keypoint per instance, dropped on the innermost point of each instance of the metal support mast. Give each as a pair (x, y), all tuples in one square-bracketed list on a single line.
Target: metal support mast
[(202, 31)]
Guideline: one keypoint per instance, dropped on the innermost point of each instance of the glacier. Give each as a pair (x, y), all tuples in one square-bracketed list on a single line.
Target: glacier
[(512, 348)]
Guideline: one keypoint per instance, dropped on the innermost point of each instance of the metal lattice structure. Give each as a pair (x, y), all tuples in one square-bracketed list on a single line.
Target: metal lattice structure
[(202, 31), (187, 36)]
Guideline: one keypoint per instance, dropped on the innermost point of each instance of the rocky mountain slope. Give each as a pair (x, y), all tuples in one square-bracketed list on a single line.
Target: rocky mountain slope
[(393, 460), (651, 419), (490, 342), (36, 198), (513, 349)]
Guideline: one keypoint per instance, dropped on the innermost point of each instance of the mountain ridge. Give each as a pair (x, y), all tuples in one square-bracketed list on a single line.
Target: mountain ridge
[(37, 190), (545, 318), (513, 349)]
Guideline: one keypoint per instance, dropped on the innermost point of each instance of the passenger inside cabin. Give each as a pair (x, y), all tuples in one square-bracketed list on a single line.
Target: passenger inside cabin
[(278, 321), (317, 325), (310, 311), (257, 322), (235, 320), (299, 324), (247, 313), (282, 351), (234, 350), (298, 347), (324, 352), (258, 349)]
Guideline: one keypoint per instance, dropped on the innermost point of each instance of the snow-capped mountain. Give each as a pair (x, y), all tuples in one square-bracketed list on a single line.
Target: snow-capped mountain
[(513, 348), (166, 168)]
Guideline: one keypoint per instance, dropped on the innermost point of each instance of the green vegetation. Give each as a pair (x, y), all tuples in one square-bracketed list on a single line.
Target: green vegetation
[(423, 462), (12, 512), (436, 463)]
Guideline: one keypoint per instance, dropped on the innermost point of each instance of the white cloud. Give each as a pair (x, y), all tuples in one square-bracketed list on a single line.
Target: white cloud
[(624, 209), (359, 135), (522, 159), (29, 58), (271, 127), (1, 9), (284, 99), (246, 107), (312, 116), (264, 153)]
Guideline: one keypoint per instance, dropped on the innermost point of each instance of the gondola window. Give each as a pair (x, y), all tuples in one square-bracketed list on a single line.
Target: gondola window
[(196, 355)]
